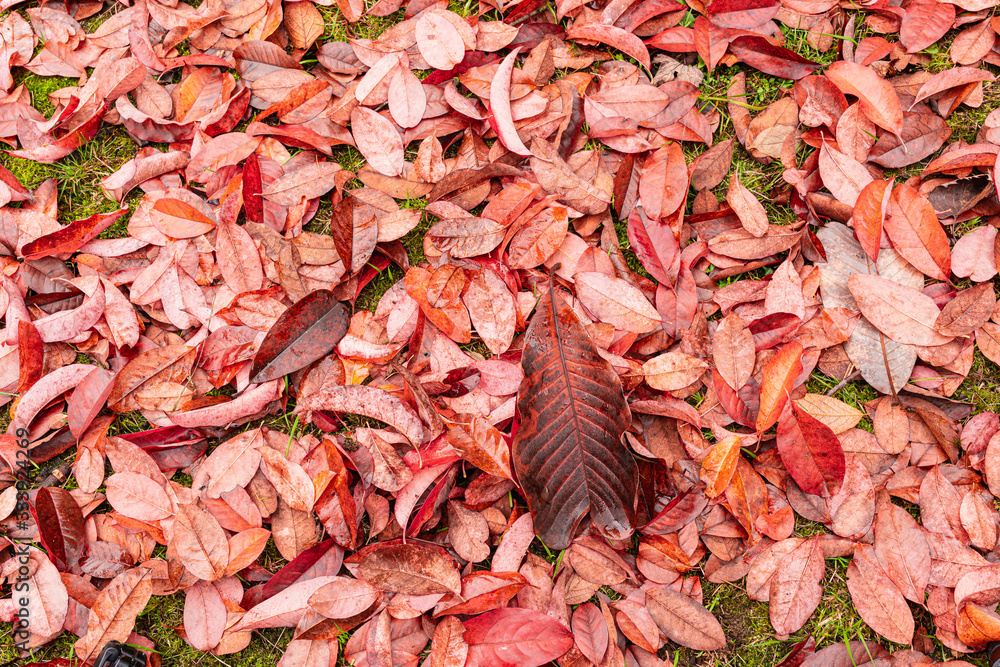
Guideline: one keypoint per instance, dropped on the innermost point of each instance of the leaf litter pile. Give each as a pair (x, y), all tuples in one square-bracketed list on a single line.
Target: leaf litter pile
[(652, 428)]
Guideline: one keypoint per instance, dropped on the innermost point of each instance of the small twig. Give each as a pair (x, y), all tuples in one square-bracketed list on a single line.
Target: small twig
[(843, 383)]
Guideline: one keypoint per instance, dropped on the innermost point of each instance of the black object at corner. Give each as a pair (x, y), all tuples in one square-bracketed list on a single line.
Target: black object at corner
[(115, 654), (993, 654)]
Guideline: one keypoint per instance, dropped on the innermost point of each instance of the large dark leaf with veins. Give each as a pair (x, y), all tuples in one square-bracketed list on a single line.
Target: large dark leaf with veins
[(568, 451)]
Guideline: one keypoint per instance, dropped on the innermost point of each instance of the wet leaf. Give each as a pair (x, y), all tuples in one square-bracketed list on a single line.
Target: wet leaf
[(304, 333), (810, 451), (409, 568), (525, 637), (903, 313), (877, 599), (553, 431), (685, 621)]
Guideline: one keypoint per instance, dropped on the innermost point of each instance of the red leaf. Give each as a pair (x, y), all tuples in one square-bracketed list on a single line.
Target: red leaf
[(810, 451), (514, 636), (559, 441), (778, 61)]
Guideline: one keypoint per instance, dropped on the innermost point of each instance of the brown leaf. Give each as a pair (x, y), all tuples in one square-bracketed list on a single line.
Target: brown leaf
[(624, 41), (710, 168), (883, 362), (733, 351), (779, 377), (304, 24), (719, 464), (844, 176), (344, 598), (878, 98), (553, 430), (370, 401), (378, 141), (868, 220), (913, 228), (138, 497), (170, 363), (973, 255), (408, 568), (468, 533), (685, 621), (852, 508), (500, 106), (590, 632), (877, 599), (309, 181), (204, 616), (903, 313), (231, 465), (741, 244), (663, 184), (492, 309), (616, 302), (836, 414), (673, 370), (902, 551), (284, 609), (751, 213), (438, 41), (978, 520), (448, 648), (113, 613), (407, 99), (200, 542), (795, 588), (304, 333), (970, 309), (466, 237), (810, 451)]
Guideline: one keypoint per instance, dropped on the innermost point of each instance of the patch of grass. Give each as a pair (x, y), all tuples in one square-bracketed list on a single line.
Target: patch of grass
[(414, 240), (41, 87), (373, 291), (980, 388), (163, 614), (940, 60), (855, 393), (349, 158), (966, 121), (92, 23), (798, 41), (78, 174), (960, 229), (477, 348), (464, 7), (337, 29), (129, 422)]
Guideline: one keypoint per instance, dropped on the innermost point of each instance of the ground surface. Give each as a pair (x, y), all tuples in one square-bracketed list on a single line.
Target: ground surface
[(751, 638)]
